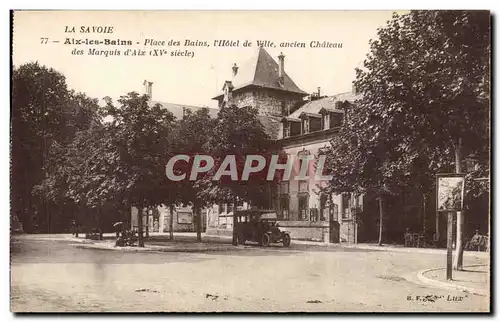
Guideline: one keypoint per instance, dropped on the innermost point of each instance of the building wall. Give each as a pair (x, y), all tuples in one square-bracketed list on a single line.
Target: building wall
[(244, 98), (183, 219), (309, 227), (270, 102)]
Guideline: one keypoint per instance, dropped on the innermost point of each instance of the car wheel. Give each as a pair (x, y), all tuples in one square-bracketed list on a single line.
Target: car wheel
[(265, 240), (286, 240)]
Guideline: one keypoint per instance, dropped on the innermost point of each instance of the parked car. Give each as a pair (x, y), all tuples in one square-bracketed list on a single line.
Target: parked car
[(259, 226)]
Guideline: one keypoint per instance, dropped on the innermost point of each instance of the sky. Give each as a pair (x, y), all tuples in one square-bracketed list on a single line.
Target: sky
[(194, 81)]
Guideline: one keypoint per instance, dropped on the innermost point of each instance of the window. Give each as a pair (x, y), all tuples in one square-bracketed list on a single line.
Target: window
[(305, 125), (303, 207), (346, 201), (284, 110), (284, 207), (314, 214), (286, 129), (284, 200), (303, 186), (324, 210), (284, 187), (315, 124), (325, 121), (294, 128), (335, 212)]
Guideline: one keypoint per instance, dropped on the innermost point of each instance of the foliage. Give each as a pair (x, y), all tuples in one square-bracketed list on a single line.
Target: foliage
[(424, 85), (238, 132), (45, 119)]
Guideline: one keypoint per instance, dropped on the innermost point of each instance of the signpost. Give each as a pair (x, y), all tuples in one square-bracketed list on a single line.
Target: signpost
[(449, 199)]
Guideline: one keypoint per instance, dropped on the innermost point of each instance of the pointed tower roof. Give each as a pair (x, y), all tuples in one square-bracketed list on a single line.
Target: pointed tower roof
[(263, 71)]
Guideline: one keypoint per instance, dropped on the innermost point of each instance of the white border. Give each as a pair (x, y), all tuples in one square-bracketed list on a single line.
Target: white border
[(179, 5)]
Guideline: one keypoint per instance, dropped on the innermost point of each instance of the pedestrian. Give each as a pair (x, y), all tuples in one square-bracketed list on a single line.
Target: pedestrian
[(73, 227)]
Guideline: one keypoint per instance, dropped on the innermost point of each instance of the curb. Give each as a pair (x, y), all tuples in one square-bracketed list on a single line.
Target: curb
[(446, 285), (412, 250)]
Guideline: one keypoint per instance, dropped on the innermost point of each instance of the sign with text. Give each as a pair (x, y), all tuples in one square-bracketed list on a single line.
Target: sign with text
[(450, 192), (184, 217)]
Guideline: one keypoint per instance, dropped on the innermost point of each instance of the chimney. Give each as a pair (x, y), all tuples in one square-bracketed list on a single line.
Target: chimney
[(319, 92), (235, 69), (148, 88), (281, 70), (228, 93)]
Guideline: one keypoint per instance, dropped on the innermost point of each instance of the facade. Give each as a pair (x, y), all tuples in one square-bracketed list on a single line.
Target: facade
[(303, 208), (301, 124)]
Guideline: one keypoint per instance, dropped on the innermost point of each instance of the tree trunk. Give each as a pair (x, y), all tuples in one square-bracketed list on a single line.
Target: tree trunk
[(198, 223), (381, 220), (424, 212), (147, 222), (235, 242), (171, 223), (139, 220), (459, 249)]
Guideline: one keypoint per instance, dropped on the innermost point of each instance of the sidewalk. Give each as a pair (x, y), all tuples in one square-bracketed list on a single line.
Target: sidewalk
[(473, 279)]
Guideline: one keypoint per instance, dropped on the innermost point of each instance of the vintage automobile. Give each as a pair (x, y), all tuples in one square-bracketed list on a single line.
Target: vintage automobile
[(259, 226)]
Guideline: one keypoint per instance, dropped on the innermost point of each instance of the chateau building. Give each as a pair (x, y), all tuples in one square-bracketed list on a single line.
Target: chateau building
[(300, 124)]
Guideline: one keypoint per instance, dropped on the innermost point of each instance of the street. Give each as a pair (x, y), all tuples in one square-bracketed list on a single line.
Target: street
[(48, 275)]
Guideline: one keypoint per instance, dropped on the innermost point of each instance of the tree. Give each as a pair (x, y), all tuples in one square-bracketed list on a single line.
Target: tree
[(237, 132), (424, 98), (192, 136), (122, 161), (141, 136), (81, 114), (45, 118)]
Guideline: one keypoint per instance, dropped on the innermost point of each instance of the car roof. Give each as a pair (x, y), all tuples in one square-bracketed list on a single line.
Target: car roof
[(269, 216)]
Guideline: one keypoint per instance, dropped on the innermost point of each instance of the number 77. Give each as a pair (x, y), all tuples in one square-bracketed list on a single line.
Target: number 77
[(44, 40)]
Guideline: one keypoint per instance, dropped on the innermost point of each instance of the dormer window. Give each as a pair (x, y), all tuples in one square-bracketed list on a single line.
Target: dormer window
[(311, 122), (286, 128), (294, 128), (305, 125), (290, 127), (325, 121), (315, 124)]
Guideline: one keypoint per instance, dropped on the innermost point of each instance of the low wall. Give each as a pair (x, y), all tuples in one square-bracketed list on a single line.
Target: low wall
[(307, 230), (219, 232), (299, 230)]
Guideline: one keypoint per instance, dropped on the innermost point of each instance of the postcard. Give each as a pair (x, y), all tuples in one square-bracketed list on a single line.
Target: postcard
[(250, 161)]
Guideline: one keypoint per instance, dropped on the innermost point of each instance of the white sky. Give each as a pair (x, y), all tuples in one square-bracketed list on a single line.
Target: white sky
[(196, 80)]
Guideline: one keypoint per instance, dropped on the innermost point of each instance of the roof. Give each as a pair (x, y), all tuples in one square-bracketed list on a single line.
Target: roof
[(327, 103), (263, 71), (177, 109)]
